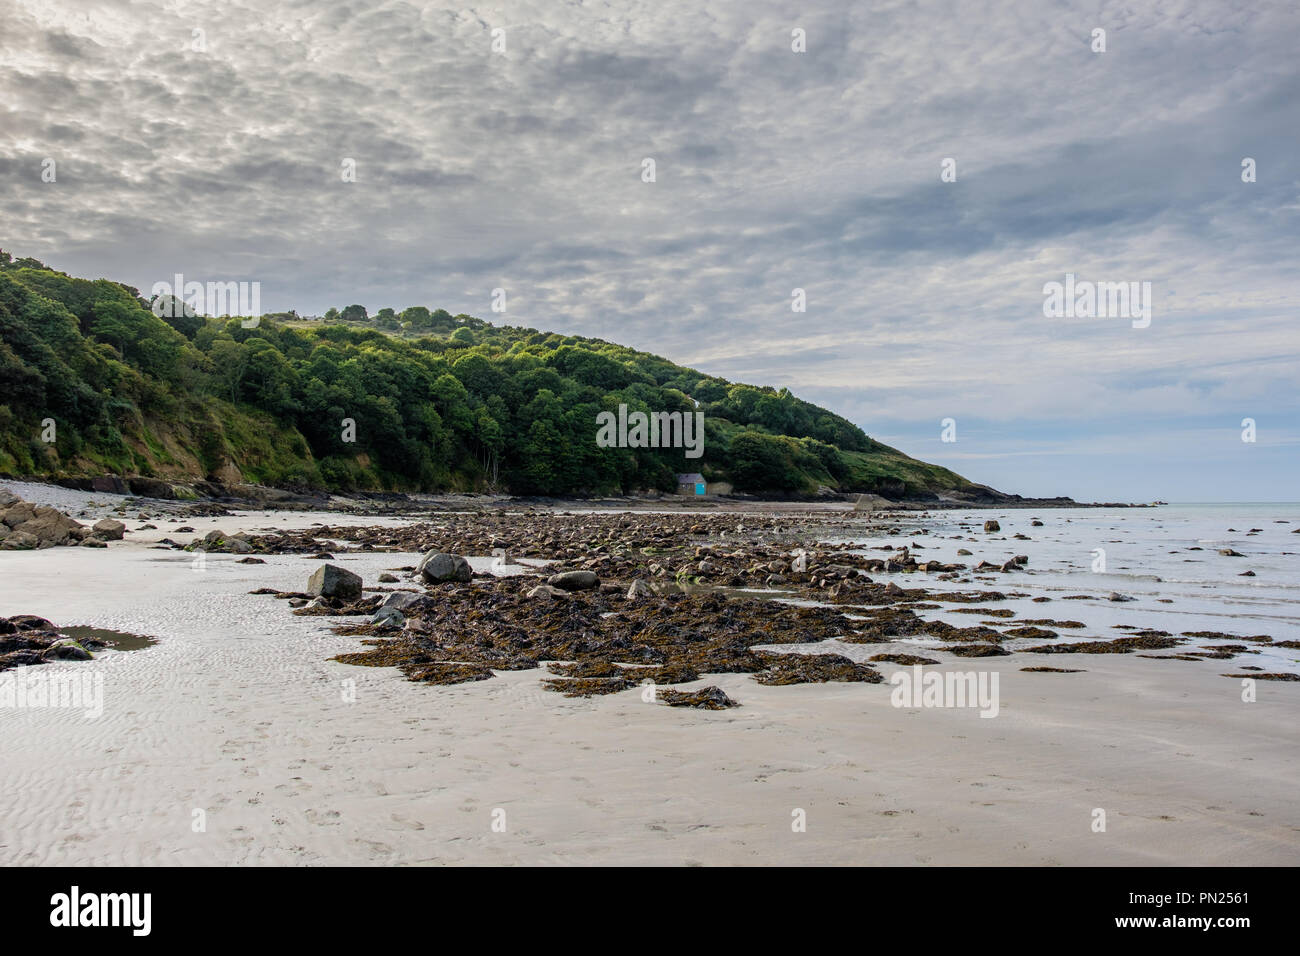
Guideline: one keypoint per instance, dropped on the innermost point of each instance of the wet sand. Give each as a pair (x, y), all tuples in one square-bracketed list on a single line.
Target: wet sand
[(238, 713)]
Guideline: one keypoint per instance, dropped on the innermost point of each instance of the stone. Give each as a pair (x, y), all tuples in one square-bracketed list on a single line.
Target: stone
[(574, 580), (548, 592), (992, 525), (437, 567), (401, 600), (387, 578), (65, 650), (20, 541), (109, 529), (30, 622), (329, 580), (388, 616), (18, 513), (639, 589)]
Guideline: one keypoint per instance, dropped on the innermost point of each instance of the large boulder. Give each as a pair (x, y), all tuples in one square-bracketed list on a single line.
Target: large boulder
[(437, 567), (574, 580), (329, 580), (992, 525), (20, 541), (109, 530)]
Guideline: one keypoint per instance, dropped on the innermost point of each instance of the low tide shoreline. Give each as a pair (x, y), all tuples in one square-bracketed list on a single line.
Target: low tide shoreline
[(240, 713)]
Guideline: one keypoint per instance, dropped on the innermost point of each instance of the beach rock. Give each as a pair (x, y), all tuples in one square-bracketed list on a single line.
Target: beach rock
[(329, 580), (437, 567), (574, 580), (547, 592), (387, 578), (94, 543), (30, 622), (1116, 596), (639, 589), (388, 616), (250, 561), (18, 513), (1229, 553), (65, 650), (992, 526), (405, 601), (20, 541), (238, 546), (107, 529), (50, 527)]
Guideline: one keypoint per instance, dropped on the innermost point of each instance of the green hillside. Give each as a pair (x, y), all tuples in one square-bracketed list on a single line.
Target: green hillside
[(436, 403)]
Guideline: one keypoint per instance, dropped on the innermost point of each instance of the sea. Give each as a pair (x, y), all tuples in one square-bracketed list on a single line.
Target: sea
[(1167, 559)]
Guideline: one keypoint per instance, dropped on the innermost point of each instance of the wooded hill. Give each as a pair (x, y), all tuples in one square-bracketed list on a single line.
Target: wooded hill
[(437, 403)]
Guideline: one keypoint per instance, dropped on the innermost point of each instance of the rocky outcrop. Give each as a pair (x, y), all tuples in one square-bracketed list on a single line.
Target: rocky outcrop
[(25, 526)]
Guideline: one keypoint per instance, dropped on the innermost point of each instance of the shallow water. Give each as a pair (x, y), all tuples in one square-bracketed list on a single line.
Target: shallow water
[(116, 640), (1148, 557)]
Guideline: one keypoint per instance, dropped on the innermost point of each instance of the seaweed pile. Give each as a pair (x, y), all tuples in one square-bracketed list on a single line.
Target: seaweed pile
[(600, 641), (671, 598)]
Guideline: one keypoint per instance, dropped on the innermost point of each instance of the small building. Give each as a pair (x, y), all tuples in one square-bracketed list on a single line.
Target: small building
[(691, 484)]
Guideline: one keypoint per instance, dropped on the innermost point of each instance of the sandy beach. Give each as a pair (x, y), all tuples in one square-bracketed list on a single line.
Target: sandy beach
[(237, 719)]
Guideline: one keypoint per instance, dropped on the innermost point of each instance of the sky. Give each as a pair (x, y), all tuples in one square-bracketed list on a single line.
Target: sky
[(504, 147)]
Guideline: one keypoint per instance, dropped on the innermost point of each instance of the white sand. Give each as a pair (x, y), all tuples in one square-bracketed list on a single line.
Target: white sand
[(238, 712)]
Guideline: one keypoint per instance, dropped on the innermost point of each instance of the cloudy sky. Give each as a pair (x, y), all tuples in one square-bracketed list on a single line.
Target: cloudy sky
[(209, 138)]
